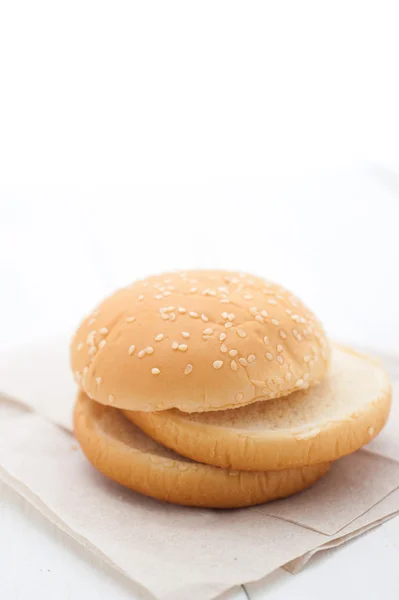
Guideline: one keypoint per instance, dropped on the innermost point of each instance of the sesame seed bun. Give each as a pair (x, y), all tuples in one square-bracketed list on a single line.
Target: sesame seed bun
[(124, 453), (339, 416), (198, 341)]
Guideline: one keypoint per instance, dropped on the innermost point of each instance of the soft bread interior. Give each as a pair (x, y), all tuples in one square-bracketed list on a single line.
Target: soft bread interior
[(337, 417), (352, 384)]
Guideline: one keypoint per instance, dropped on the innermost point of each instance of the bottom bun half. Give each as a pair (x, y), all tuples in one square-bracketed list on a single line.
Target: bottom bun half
[(122, 452)]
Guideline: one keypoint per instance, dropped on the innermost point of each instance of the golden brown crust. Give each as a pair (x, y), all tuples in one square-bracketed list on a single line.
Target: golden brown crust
[(328, 421), (122, 452), (198, 341)]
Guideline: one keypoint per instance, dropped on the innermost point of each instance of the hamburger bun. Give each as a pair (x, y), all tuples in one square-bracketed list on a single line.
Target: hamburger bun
[(338, 416), (198, 341), (124, 453)]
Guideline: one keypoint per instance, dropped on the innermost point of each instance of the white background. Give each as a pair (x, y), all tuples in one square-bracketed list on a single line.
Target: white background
[(141, 136)]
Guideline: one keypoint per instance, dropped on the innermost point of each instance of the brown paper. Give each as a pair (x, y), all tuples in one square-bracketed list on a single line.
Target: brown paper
[(173, 552)]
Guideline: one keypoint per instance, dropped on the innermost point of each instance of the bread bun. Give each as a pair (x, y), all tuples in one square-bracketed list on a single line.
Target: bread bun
[(125, 454), (198, 341), (344, 412)]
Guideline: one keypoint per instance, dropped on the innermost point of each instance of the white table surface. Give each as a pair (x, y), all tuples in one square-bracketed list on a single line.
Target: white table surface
[(63, 249)]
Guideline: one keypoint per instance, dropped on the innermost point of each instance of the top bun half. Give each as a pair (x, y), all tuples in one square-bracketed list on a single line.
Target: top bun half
[(198, 341)]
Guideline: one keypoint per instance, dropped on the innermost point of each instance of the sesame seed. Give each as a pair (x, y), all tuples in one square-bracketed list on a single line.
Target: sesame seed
[(239, 397), (283, 334), (159, 337), (259, 319), (141, 353), (288, 376), (194, 315), (141, 297), (280, 360), (98, 380), (224, 300), (102, 343), (204, 318), (241, 333), (155, 371), (266, 340), (272, 301), (149, 350), (223, 348), (185, 334), (181, 310), (92, 350), (165, 316), (228, 324), (243, 362), (233, 365), (275, 322), (299, 382), (264, 313), (288, 311), (312, 363), (192, 290), (172, 316), (85, 369), (253, 310), (130, 319), (132, 349), (218, 364), (251, 358), (222, 337), (158, 296), (231, 317), (208, 331), (175, 345), (370, 431), (188, 369), (306, 358), (104, 330), (91, 321), (248, 297), (167, 293), (225, 315), (95, 313), (167, 309), (233, 352), (183, 347), (280, 348), (80, 346), (111, 399), (269, 356)]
